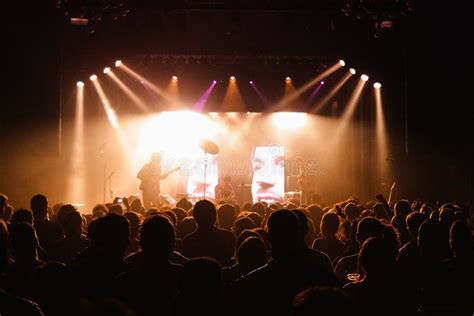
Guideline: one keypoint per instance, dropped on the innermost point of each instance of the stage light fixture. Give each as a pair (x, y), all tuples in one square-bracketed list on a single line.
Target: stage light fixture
[(93, 77), (106, 70), (353, 71), (214, 81), (342, 62), (251, 82), (80, 84), (288, 79), (322, 82), (364, 77), (175, 78), (377, 85), (118, 63), (232, 78)]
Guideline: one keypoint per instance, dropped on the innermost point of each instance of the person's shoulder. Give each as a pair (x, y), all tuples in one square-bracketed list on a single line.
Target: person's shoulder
[(319, 241), (256, 275), (347, 260), (134, 258), (318, 254), (190, 237), (223, 231), (351, 287)]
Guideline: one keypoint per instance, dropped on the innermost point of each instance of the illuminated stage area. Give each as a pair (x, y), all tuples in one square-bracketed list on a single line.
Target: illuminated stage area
[(267, 148), (263, 154)]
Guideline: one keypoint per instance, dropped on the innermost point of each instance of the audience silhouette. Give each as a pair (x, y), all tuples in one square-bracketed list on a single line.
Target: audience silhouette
[(253, 259)]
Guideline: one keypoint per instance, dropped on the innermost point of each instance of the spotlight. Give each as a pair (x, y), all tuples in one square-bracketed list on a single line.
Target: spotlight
[(377, 85), (322, 82), (287, 79), (232, 78), (342, 62), (118, 63), (353, 71), (106, 70), (364, 77), (248, 113), (93, 77), (214, 81), (80, 84), (175, 78), (251, 82), (142, 82)]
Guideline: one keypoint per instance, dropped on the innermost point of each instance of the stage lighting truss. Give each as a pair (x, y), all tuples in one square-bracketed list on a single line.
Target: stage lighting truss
[(382, 14), (90, 13), (318, 62)]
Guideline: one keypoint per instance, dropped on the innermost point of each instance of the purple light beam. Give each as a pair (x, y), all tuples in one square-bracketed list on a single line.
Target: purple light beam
[(201, 103)]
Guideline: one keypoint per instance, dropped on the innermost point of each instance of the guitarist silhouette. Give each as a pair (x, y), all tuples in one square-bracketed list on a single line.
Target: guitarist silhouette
[(150, 176)]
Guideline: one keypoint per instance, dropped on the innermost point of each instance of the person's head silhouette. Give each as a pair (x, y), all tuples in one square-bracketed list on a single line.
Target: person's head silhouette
[(199, 287), (157, 237), (39, 206), (155, 157), (73, 224), (227, 215), (24, 242), (251, 254), (283, 233), (22, 216), (431, 241), (329, 225), (205, 215), (368, 227), (111, 234), (376, 258), (460, 239)]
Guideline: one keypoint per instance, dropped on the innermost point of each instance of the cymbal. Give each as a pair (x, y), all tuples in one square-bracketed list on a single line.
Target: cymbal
[(209, 147)]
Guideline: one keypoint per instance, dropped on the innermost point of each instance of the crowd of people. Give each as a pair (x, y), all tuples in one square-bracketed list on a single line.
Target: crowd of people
[(350, 258)]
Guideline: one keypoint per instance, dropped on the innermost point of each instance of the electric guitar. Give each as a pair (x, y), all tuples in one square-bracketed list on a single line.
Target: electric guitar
[(152, 180)]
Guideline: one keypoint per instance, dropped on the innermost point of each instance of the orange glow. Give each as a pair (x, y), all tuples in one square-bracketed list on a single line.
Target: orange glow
[(155, 89), (233, 100), (232, 78), (289, 120), (76, 180), (129, 92), (381, 138), (349, 111), (288, 79), (320, 105), (293, 96), (173, 91), (112, 117)]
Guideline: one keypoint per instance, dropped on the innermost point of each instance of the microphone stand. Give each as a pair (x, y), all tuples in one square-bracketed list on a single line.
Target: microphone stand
[(104, 177), (205, 171), (111, 192)]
